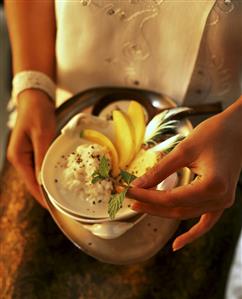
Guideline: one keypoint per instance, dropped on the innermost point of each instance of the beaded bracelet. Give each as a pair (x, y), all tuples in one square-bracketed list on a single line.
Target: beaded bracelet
[(32, 79)]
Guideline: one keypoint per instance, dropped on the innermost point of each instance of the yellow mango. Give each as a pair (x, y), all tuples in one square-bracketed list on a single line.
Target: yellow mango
[(101, 139), (137, 118), (124, 138)]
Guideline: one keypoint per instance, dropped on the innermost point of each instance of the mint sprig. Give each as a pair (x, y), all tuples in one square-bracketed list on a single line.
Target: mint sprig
[(102, 172), (115, 203), (127, 177), (116, 200)]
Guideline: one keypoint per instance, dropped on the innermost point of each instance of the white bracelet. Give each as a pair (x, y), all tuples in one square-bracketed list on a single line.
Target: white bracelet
[(32, 79)]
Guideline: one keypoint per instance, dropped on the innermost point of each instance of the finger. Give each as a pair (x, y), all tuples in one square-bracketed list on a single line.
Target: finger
[(41, 143), (184, 196), (174, 213), (206, 222), (26, 171), (21, 156), (31, 183), (172, 162)]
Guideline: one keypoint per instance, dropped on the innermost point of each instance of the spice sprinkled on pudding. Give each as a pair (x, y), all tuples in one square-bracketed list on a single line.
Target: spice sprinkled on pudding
[(78, 174)]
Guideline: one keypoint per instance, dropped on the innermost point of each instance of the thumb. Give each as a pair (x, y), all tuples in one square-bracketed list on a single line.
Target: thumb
[(169, 164), (41, 144)]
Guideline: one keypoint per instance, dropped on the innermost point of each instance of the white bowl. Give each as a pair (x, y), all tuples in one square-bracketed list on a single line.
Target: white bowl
[(52, 176), (144, 239)]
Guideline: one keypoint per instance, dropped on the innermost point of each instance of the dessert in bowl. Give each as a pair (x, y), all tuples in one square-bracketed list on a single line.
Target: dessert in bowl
[(90, 166), (73, 168)]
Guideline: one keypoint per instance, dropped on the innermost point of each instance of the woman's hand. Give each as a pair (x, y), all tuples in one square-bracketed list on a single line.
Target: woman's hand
[(31, 137), (214, 153)]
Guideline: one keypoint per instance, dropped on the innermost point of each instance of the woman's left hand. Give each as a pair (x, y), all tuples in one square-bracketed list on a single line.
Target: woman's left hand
[(214, 153)]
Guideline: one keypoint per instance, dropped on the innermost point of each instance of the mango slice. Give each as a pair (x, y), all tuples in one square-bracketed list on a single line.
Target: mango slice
[(137, 118), (101, 139), (124, 138)]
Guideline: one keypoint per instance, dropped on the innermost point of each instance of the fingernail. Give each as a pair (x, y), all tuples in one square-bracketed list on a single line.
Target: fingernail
[(119, 189), (38, 177), (136, 207), (138, 182), (176, 248)]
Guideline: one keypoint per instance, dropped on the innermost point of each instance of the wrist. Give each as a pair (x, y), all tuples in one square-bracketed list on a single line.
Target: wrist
[(34, 98), (232, 117), (234, 110), (236, 107)]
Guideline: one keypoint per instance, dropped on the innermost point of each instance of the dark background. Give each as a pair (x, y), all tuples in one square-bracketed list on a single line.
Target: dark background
[(5, 82)]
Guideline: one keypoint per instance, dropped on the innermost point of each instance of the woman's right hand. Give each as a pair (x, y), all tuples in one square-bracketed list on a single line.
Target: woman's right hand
[(33, 132)]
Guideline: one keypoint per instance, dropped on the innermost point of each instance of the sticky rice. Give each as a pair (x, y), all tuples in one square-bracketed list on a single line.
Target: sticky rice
[(78, 171)]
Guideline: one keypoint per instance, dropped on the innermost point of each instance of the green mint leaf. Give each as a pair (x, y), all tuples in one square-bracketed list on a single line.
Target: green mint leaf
[(102, 172), (127, 177), (116, 200), (96, 178), (104, 167), (115, 203)]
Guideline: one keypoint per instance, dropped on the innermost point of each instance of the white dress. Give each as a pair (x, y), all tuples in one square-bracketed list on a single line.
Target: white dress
[(189, 50)]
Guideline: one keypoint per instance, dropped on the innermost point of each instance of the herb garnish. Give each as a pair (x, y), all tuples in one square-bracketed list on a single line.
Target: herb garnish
[(116, 200), (127, 177), (115, 203), (102, 172)]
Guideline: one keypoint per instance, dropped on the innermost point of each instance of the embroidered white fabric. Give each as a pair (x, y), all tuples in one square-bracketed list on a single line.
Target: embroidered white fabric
[(149, 46), (141, 43), (32, 79)]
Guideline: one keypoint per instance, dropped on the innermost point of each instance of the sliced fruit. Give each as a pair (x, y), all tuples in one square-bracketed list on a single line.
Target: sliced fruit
[(124, 138), (137, 117), (101, 139), (143, 161)]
